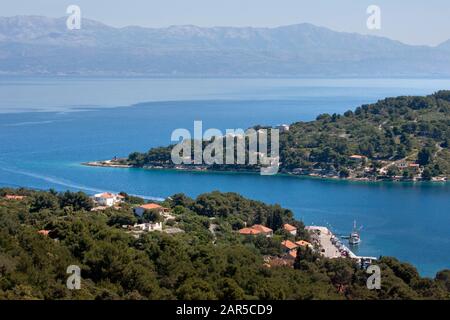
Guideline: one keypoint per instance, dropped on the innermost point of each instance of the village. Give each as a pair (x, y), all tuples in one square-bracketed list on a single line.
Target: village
[(163, 215), (361, 169), (322, 240)]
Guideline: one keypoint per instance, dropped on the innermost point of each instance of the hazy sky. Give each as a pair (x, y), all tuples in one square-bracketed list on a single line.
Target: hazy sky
[(410, 21)]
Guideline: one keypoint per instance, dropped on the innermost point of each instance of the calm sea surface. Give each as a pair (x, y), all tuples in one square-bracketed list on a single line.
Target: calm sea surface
[(49, 126)]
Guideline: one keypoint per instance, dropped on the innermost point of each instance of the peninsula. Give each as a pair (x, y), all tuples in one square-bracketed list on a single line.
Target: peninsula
[(403, 138)]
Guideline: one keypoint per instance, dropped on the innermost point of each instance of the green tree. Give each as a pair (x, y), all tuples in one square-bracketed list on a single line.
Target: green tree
[(407, 174), (122, 218), (152, 216), (43, 200), (426, 174), (443, 277), (392, 171), (76, 200), (230, 290), (344, 173), (275, 218), (424, 156), (195, 289)]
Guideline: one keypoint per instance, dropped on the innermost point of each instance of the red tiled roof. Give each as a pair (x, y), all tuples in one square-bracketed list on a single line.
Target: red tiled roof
[(249, 231), (44, 232), (289, 227), (106, 195), (14, 197), (303, 243), (262, 228), (151, 206), (289, 244), (293, 254)]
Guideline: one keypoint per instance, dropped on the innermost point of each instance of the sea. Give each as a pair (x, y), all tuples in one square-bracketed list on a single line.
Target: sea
[(49, 126)]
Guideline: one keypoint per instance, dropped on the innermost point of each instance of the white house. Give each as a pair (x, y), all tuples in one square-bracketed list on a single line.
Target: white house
[(283, 128), (149, 227), (107, 199), (290, 228), (357, 158), (402, 165)]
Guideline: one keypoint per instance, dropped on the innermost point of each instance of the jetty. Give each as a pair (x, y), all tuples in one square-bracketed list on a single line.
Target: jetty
[(331, 247), (115, 163)]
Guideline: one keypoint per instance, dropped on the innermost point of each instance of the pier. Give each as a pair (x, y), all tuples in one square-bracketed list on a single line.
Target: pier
[(331, 246)]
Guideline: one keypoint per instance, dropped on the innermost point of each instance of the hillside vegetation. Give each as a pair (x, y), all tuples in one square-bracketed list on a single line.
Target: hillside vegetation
[(196, 264), (395, 138)]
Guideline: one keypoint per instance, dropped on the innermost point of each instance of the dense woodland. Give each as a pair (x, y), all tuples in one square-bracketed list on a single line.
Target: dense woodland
[(208, 261), (413, 129)]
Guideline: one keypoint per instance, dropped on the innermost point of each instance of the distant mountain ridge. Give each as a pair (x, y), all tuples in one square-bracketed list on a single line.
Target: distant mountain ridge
[(34, 45)]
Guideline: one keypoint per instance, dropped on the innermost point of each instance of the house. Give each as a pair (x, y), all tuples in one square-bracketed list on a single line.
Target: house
[(414, 167), (292, 254), (256, 230), (107, 199), (288, 245), (44, 232), (357, 158), (14, 197), (303, 243), (283, 128), (290, 248), (139, 211), (402, 165), (264, 230), (290, 228), (249, 232), (149, 227)]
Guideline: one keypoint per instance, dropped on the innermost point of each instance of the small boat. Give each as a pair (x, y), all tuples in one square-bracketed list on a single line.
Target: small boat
[(354, 238)]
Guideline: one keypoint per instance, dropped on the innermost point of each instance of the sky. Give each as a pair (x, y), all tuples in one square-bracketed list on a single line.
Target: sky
[(420, 22)]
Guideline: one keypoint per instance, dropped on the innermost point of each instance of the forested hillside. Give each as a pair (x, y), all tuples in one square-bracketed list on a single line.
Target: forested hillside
[(395, 138), (42, 233), (411, 128)]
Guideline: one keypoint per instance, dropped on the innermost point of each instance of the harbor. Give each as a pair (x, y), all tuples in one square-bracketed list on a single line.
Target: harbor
[(331, 247)]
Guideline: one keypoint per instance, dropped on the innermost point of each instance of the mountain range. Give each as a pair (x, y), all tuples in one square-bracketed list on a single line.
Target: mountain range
[(35, 45)]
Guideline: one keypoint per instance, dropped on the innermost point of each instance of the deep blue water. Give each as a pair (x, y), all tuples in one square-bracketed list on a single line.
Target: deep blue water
[(45, 149)]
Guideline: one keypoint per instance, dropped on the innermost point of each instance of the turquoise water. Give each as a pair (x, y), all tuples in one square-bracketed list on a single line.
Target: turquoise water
[(44, 149)]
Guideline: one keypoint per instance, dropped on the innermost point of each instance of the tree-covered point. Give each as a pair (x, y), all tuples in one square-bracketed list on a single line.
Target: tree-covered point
[(414, 129), (208, 261), (236, 210)]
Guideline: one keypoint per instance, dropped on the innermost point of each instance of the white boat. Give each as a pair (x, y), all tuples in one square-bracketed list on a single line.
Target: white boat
[(354, 238)]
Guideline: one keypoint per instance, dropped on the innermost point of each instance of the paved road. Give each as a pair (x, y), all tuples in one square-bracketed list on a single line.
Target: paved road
[(331, 251)]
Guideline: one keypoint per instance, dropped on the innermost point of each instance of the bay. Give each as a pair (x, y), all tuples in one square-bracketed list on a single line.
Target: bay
[(49, 126)]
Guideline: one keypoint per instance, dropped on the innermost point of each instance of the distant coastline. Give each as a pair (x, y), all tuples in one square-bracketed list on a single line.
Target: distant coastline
[(190, 168)]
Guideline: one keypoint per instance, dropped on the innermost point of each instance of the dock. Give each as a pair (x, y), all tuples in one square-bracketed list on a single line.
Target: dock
[(331, 246)]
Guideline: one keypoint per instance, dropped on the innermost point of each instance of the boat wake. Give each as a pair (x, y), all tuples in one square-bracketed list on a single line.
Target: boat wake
[(70, 184)]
